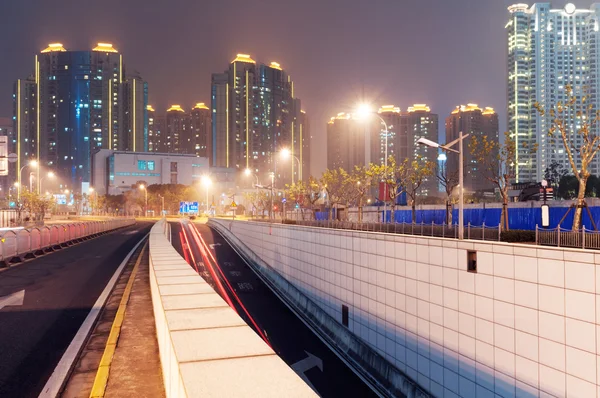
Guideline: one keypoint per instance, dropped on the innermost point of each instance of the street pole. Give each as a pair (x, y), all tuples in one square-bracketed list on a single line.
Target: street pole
[(146, 197), (461, 205), (162, 207), (207, 200), (272, 186)]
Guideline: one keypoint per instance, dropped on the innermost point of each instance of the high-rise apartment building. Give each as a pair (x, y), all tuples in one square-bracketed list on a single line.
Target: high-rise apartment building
[(347, 141), (198, 138), (470, 119), (255, 115), (177, 125), (549, 49), (135, 118), (153, 137), (77, 102), (353, 141), (418, 121)]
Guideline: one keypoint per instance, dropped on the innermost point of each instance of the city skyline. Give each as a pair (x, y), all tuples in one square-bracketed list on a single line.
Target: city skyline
[(330, 63)]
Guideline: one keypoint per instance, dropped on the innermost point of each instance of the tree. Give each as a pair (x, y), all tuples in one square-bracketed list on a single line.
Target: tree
[(448, 180), (260, 201), (416, 173), (336, 184), (361, 181), (554, 172), (393, 176), (581, 144), (496, 161), (36, 205)]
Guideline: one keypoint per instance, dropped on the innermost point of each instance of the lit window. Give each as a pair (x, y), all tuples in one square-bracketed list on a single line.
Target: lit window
[(142, 165)]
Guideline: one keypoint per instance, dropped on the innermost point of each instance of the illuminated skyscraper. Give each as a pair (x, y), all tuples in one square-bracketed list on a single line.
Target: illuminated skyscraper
[(549, 49), (175, 132), (79, 105), (470, 119), (198, 136), (254, 116), (346, 141)]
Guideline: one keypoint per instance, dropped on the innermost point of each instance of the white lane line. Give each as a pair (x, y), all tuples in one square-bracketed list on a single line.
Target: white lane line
[(60, 373), (12, 299)]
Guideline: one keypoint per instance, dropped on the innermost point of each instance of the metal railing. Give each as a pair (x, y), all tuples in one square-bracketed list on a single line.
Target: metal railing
[(561, 237), (17, 243), (482, 232)]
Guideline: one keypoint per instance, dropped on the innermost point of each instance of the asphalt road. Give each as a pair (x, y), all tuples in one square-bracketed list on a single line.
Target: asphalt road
[(293, 341), (60, 289)]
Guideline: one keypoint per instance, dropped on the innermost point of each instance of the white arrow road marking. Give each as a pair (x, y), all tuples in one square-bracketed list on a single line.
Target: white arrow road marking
[(306, 364), (12, 299), (212, 245)]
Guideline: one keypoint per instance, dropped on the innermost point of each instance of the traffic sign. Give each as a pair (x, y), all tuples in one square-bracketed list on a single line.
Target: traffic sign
[(233, 205), (12, 157), (188, 207), (283, 200)]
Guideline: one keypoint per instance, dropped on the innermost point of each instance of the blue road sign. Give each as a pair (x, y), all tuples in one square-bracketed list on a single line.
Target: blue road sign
[(188, 207), (283, 200)]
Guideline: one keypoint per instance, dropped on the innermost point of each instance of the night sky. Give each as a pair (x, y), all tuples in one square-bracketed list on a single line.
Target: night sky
[(439, 52)]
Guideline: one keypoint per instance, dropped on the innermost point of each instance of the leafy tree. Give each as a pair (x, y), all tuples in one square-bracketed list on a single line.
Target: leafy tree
[(449, 180), (394, 176), (336, 183), (361, 182), (496, 161), (260, 201), (554, 172), (581, 144), (416, 172)]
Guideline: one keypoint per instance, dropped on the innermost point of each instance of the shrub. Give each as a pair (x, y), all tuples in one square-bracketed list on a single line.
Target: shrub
[(518, 235), (291, 222)]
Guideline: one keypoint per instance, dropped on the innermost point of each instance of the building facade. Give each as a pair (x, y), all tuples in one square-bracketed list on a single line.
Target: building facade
[(176, 130), (470, 119), (255, 115), (348, 141), (198, 139), (75, 103), (115, 172), (549, 49)]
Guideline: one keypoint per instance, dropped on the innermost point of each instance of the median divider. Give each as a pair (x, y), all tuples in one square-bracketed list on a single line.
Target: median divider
[(27, 243), (205, 348)]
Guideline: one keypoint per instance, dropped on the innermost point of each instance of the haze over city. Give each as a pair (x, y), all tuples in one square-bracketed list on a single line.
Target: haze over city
[(398, 52)]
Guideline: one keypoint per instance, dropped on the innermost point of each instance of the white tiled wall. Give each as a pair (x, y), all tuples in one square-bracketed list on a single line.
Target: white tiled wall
[(527, 324)]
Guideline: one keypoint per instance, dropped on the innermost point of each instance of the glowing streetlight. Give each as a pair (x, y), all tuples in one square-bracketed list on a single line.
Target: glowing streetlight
[(447, 147), (286, 153), (206, 181), (32, 164), (363, 112), (49, 175), (143, 188)]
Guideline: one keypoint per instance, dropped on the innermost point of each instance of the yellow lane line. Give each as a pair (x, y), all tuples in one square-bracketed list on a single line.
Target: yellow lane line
[(101, 380)]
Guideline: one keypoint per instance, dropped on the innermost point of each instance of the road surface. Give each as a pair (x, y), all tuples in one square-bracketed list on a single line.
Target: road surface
[(59, 290), (293, 341)]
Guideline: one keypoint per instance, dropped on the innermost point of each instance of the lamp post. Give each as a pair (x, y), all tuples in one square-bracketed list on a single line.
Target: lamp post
[(447, 147), (364, 111), (143, 188), (49, 175), (92, 191), (31, 163), (272, 187), (162, 205), (286, 153), (206, 182)]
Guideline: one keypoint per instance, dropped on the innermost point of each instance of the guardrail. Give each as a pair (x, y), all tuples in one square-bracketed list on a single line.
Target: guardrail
[(561, 237), (18, 243), (389, 380), (205, 348), (482, 232)]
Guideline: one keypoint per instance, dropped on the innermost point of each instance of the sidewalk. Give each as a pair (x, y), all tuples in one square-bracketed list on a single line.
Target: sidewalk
[(135, 370)]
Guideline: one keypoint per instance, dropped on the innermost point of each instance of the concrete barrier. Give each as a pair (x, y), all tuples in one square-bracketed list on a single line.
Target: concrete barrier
[(205, 348), (17, 243)]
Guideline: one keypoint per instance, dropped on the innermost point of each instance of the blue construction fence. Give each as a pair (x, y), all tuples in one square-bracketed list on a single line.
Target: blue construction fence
[(518, 218)]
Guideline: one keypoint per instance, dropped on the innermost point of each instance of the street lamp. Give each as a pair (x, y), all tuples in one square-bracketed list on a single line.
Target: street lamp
[(447, 147), (207, 183), (363, 111), (49, 175), (249, 172), (285, 154), (143, 188), (32, 164)]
